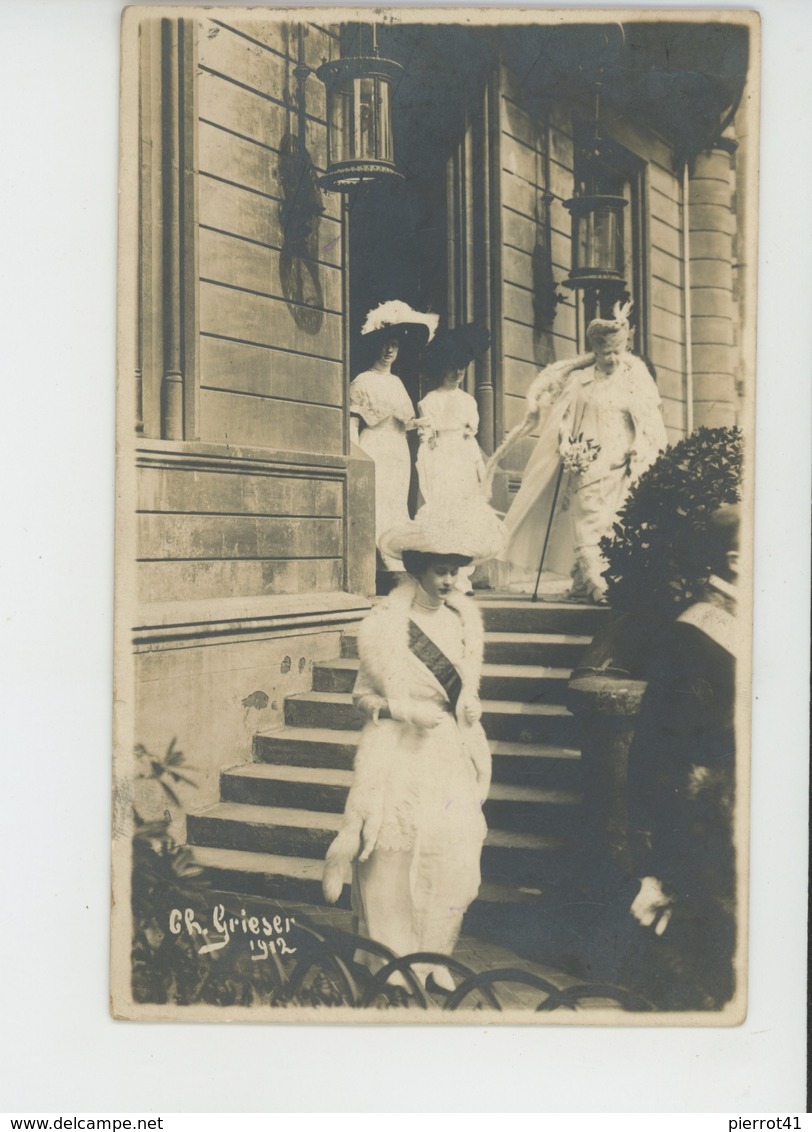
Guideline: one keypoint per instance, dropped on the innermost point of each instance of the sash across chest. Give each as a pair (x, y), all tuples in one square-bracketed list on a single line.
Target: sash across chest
[(438, 664)]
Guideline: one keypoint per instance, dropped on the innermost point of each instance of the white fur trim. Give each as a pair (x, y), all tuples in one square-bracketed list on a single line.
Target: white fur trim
[(383, 641)]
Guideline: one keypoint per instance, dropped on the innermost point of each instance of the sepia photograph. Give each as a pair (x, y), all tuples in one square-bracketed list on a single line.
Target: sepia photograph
[(435, 451)]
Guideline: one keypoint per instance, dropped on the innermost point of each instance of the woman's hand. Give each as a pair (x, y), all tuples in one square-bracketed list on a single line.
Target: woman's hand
[(471, 709), (369, 835), (481, 758)]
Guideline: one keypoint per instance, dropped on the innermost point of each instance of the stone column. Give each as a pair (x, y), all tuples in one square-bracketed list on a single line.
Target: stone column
[(360, 523), (482, 185), (172, 383), (712, 222), (167, 379)]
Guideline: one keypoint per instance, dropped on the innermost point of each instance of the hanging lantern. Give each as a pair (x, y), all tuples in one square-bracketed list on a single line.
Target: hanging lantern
[(598, 252), (360, 146)]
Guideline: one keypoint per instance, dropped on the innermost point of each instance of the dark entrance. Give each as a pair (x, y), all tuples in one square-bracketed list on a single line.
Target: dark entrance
[(400, 246), (398, 250), (415, 240)]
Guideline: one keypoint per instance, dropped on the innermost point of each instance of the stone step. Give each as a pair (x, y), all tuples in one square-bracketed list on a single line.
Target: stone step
[(561, 650), (299, 879), (511, 856), (521, 615), (531, 764), (508, 806), (502, 719), (530, 683)]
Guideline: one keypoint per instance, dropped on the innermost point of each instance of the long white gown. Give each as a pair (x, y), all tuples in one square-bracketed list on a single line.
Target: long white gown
[(385, 409), (621, 413), (425, 868), (449, 461), (450, 466)]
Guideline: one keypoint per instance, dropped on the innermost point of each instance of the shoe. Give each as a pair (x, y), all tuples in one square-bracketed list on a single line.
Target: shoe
[(398, 979), (576, 597), (440, 981)]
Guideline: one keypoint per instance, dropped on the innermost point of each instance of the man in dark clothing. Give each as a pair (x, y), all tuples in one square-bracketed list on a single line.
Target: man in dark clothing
[(681, 795)]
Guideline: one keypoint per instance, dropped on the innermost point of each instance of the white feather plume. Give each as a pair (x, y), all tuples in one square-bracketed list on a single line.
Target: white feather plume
[(397, 313), (621, 311)]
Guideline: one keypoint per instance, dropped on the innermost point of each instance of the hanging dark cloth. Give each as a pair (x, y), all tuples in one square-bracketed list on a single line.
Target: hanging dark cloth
[(437, 663)]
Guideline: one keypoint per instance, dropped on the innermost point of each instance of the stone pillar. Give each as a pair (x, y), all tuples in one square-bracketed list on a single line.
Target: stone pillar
[(172, 384), (360, 523), (712, 223), (606, 709), (482, 186), (166, 378)]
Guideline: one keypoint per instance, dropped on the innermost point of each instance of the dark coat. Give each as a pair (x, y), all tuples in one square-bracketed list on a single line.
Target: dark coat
[(681, 797)]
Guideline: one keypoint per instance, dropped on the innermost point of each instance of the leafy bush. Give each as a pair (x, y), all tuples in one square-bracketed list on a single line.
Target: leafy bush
[(659, 555), (176, 966), (164, 876)]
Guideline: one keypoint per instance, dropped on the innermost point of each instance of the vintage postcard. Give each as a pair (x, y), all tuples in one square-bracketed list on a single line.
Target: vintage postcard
[(436, 395)]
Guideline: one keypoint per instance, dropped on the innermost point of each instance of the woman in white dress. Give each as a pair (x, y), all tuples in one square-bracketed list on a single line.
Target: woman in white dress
[(413, 825), (450, 464), (381, 411), (601, 428)]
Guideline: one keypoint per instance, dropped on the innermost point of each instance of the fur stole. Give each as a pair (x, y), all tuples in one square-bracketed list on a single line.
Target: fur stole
[(383, 641)]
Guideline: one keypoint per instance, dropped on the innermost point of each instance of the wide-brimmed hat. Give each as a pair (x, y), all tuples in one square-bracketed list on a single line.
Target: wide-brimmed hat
[(470, 529), (395, 316), (457, 348)]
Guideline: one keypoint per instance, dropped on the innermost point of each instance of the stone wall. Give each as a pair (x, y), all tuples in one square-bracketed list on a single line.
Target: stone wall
[(714, 314)]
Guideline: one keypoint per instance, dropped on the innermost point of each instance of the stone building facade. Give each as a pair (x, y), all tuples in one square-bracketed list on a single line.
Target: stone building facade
[(253, 532)]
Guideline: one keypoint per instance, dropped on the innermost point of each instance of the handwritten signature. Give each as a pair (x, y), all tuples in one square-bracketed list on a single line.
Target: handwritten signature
[(266, 935)]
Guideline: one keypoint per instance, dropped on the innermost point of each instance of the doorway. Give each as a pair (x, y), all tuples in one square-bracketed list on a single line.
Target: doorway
[(398, 250)]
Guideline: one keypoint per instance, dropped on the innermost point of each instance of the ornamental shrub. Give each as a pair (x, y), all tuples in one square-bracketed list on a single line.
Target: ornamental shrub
[(659, 556)]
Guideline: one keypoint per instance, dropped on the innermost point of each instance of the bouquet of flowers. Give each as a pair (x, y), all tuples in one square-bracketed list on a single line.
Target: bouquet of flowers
[(577, 454), (426, 431)]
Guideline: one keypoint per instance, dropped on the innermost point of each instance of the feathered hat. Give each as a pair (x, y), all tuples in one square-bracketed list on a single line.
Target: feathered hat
[(600, 329), (397, 316), (457, 348), (471, 530)]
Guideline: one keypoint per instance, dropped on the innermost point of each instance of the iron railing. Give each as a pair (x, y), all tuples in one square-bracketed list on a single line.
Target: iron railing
[(330, 971)]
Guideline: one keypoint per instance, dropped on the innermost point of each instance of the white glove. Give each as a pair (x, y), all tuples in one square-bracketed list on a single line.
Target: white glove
[(652, 907), (471, 708)]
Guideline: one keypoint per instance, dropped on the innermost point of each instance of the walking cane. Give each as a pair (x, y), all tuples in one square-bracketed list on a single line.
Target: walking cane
[(535, 596)]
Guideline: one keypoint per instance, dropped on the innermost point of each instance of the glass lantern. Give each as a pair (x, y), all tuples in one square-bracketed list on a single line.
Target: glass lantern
[(598, 253), (360, 145)]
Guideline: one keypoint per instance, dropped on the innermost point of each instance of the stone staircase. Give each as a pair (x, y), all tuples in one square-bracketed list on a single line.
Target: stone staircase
[(277, 815)]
